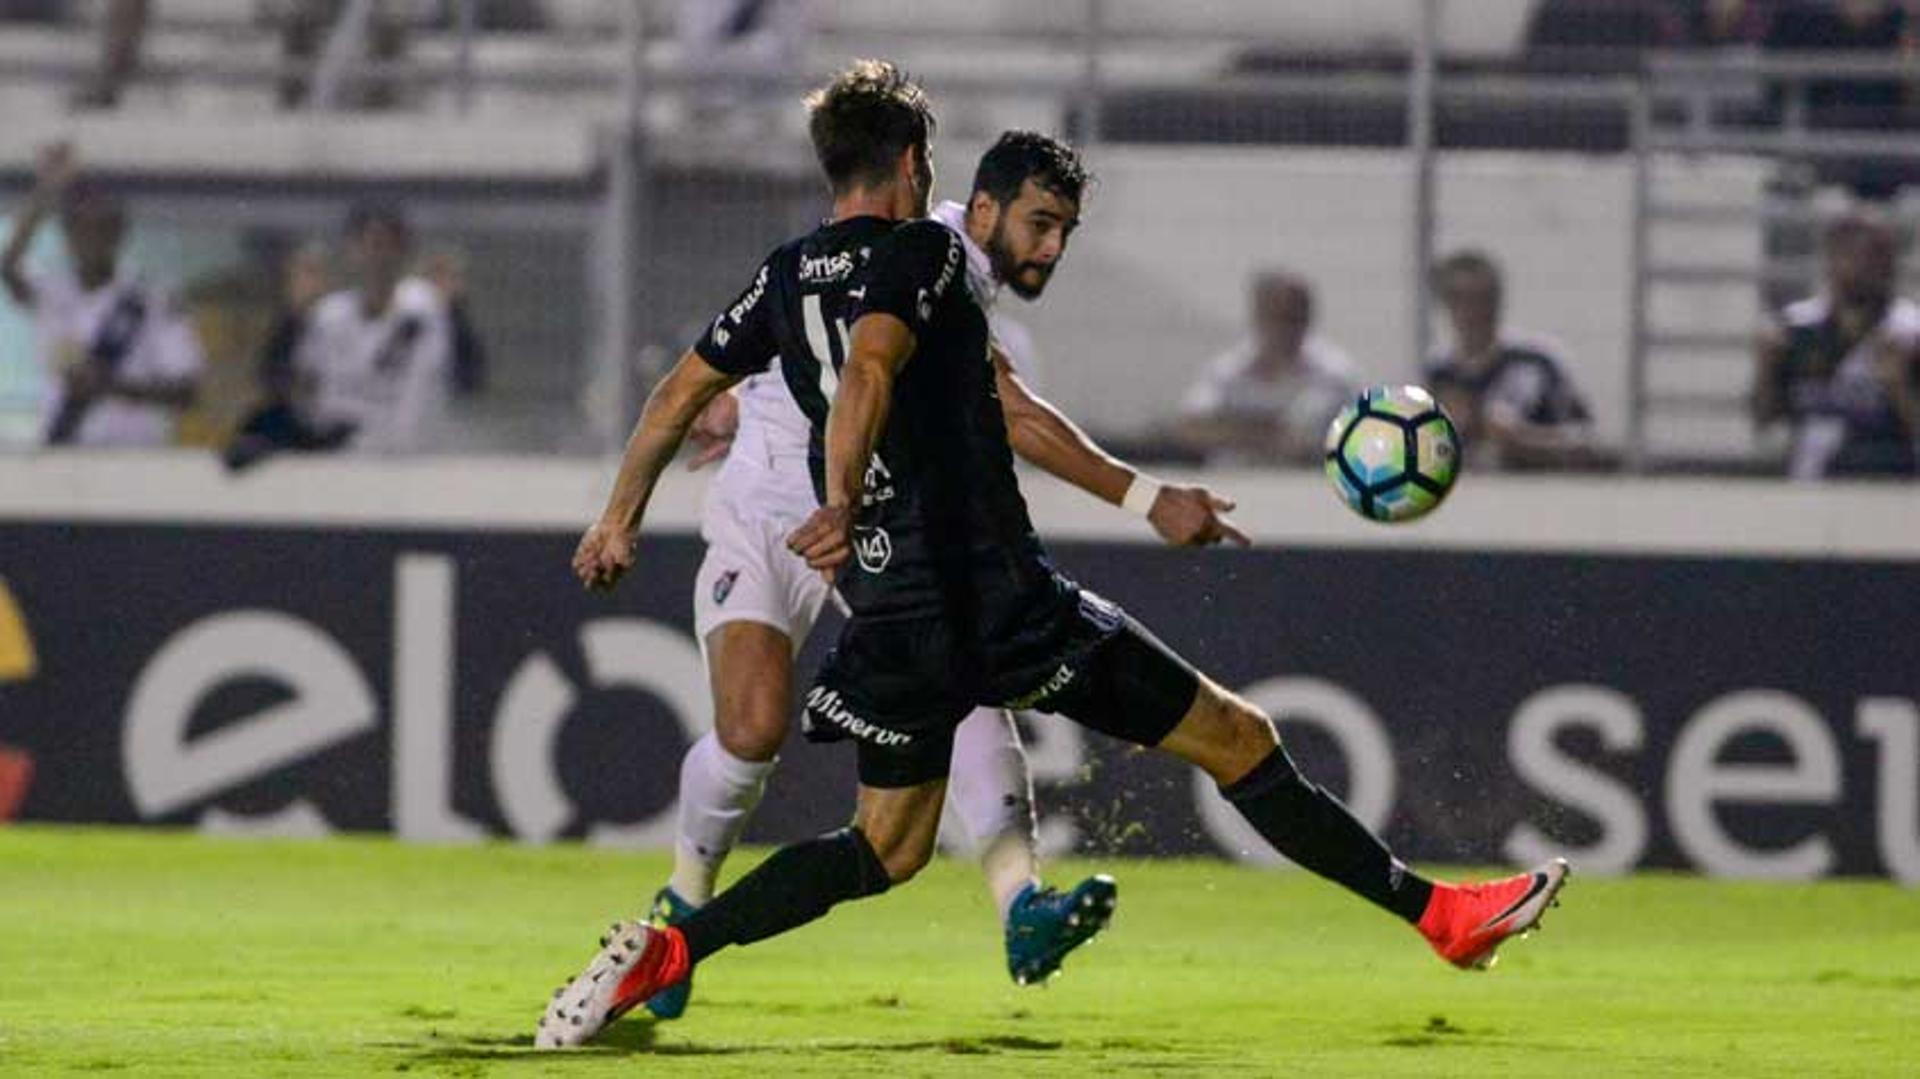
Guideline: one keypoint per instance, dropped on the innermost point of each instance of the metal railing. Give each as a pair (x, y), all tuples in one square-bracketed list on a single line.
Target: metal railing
[(1678, 108), (1756, 107)]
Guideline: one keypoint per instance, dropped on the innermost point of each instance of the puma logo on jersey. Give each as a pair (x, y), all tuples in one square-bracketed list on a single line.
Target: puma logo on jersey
[(738, 312)]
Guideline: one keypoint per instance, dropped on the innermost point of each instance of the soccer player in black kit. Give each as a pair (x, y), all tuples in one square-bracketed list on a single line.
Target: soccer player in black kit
[(954, 600)]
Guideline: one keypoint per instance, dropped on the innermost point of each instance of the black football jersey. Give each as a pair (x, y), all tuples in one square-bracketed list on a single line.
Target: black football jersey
[(942, 530)]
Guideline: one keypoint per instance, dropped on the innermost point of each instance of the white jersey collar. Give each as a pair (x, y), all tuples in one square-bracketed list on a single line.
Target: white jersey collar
[(979, 267)]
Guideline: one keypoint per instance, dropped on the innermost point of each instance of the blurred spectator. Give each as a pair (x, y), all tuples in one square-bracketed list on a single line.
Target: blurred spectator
[(306, 28), (1268, 400), (278, 423), (1718, 24), (121, 363), (746, 37), (446, 269), (375, 358), (306, 279), (1881, 26), (123, 28), (1511, 394), (1841, 366)]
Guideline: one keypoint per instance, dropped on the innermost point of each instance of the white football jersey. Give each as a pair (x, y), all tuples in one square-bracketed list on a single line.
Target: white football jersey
[(387, 373), (67, 319), (769, 452)]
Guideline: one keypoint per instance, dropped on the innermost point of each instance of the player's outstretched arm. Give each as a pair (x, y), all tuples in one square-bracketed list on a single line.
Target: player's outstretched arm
[(1040, 433), (879, 347), (606, 551)]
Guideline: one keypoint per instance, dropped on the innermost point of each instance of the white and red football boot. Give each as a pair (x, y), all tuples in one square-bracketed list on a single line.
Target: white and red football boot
[(1467, 923), (634, 962)]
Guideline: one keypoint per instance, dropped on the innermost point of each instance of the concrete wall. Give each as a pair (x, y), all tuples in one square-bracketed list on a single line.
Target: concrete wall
[(1156, 279)]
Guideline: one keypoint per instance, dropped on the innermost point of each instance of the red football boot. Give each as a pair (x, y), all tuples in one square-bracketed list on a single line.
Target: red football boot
[(635, 961), (1467, 923)]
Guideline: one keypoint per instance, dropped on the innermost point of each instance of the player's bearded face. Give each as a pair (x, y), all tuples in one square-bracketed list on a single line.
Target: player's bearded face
[(1030, 237)]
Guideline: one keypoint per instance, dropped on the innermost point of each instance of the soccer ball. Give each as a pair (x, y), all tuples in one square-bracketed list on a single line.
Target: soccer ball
[(1392, 453)]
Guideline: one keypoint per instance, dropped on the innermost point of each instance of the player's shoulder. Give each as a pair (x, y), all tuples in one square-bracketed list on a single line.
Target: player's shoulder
[(417, 296), (1533, 349), (923, 237), (338, 308), (1327, 359), (1902, 320), (1807, 312)]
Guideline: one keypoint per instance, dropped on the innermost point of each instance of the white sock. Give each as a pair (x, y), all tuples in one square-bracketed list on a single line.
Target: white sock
[(718, 792), (992, 794)]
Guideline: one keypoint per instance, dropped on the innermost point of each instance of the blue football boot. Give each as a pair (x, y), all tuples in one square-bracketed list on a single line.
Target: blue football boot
[(1043, 925), (670, 909)]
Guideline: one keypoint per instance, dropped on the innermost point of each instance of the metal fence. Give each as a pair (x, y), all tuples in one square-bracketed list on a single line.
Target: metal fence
[(1648, 218)]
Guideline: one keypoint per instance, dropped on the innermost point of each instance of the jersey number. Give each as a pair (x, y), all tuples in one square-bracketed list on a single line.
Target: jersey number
[(828, 341)]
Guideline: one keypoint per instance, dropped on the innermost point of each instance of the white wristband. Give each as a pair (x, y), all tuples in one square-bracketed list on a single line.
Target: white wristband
[(1140, 494)]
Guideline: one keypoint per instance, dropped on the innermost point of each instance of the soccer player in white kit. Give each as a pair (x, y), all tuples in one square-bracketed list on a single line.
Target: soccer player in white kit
[(121, 360), (755, 603)]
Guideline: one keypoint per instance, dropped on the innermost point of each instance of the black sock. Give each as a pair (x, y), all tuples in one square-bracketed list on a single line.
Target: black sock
[(1310, 826), (788, 890)]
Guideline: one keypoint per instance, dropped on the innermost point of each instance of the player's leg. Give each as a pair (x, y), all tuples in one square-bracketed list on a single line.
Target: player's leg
[(753, 601), (1136, 688), (892, 838), (992, 793), (750, 667)]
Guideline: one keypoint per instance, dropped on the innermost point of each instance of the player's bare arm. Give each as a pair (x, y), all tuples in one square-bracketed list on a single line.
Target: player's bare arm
[(606, 551), (54, 173), (1546, 444), (878, 349), (1896, 363), (1044, 436), (713, 431)]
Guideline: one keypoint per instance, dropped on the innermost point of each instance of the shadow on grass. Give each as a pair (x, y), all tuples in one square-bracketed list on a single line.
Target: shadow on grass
[(639, 1038)]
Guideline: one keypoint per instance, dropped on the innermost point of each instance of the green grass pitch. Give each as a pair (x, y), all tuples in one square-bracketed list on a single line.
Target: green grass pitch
[(161, 954)]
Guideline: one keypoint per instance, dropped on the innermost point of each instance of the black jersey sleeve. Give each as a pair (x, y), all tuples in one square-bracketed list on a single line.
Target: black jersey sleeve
[(913, 272), (740, 341)]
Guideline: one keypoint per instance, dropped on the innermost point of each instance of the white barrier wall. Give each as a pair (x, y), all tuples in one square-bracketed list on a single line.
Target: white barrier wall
[(1155, 284), (1580, 515)]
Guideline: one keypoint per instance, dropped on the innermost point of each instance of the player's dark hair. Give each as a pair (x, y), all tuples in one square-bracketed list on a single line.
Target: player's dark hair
[(1855, 224), (1019, 156), (362, 216), (1275, 279), (864, 119), (1469, 261)]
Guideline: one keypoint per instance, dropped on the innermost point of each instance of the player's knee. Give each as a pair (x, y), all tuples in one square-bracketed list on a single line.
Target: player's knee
[(750, 729), (903, 855), (1237, 734)]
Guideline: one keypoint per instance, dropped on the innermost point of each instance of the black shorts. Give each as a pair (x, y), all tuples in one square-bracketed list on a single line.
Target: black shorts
[(900, 687)]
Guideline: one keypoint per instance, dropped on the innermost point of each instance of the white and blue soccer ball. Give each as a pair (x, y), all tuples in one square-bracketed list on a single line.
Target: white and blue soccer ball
[(1393, 453)]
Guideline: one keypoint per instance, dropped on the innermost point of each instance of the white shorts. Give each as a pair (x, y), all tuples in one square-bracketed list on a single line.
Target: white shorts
[(748, 574)]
